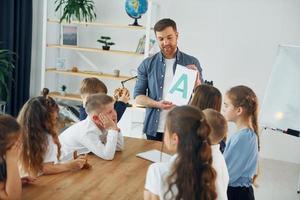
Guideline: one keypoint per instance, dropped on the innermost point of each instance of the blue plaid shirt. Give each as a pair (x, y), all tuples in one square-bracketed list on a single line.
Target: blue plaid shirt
[(150, 82)]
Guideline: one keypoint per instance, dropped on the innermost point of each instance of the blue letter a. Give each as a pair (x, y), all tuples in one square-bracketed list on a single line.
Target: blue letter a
[(181, 86)]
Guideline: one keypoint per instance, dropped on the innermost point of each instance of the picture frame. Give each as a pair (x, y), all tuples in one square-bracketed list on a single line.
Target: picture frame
[(69, 35)]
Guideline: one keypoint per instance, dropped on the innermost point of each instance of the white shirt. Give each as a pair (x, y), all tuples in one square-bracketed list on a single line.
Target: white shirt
[(86, 135), (167, 83), (51, 153), (156, 178), (219, 165)]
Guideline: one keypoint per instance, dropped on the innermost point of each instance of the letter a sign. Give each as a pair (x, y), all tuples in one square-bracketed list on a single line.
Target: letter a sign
[(182, 86)]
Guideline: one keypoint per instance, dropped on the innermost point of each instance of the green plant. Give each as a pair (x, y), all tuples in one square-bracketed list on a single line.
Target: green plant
[(104, 40), (63, 88), (82, 10), (6, 67)]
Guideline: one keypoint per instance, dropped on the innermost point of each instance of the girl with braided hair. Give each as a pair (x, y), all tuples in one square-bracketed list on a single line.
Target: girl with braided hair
[(189, 174), (41, 147), (241, 152)]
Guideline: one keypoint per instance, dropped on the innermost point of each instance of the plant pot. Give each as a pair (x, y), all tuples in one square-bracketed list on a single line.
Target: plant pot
[(105, 48), (63, 93)]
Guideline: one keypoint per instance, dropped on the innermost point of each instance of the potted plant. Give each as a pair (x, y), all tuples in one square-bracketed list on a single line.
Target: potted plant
[(6, 67), (106, 42), (63, 89), (81, 10)]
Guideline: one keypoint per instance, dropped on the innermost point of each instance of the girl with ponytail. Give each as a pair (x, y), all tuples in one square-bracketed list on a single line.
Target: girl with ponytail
[(241, 152), (189, 174), (41, 147)]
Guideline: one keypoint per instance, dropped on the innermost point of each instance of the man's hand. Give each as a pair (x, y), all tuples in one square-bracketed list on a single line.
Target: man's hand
[(165, 105), (198, 80)]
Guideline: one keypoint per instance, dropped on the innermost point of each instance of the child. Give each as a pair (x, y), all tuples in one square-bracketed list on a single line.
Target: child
[(189, 174), (207, 96), (93, 86), (219, 128), (10, 181), (41, 147), (241, 152), (98, 133)]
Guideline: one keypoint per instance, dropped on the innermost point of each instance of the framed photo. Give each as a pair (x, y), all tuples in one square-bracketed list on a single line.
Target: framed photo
[(69, 35)]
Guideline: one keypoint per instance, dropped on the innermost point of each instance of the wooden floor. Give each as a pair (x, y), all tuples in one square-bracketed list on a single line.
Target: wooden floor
[(120, 179)]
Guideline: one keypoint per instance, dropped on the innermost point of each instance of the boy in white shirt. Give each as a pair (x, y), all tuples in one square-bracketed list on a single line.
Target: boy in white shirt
[(98, 133), (219, 129)]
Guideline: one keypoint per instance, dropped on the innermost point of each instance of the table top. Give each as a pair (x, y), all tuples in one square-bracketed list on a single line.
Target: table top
[(122, 178)]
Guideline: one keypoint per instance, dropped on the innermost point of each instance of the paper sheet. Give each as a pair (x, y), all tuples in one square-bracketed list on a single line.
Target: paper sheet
[(154, 156)]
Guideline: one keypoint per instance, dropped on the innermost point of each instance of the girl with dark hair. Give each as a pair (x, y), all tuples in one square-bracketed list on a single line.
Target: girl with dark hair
[(41, 147), (10, 148), (189, 174), (207, 96), (241, 152)]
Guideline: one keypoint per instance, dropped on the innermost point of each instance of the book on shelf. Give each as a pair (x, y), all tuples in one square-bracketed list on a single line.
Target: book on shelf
[(141, 45)]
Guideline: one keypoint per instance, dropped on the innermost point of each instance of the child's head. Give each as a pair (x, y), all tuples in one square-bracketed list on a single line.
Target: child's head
[(38, 117), (240, 103), (207, 96), (10, 132), (218, 125), (91, 86), (187, 131), (100, 103)]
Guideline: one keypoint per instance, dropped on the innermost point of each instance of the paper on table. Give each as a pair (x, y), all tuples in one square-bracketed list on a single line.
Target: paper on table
[(182, 86), (154, 156)]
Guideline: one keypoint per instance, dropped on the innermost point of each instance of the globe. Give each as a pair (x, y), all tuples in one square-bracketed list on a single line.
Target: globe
[(135, 9)]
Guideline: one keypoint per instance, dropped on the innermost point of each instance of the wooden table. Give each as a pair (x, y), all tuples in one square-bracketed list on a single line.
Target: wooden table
[(122, 178)]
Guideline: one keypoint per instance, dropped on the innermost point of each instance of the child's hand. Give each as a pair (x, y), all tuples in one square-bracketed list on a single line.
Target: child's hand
[(107, 122), (122, 94), (77, 163), (27, 180), (86, 164), (125, 97)]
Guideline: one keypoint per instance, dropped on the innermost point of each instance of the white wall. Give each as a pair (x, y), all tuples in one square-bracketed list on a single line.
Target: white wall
[(235, 40)]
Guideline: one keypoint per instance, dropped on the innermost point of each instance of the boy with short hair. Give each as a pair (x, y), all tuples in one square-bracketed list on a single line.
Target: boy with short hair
[(93, 86), (219, 130), (98, 133)]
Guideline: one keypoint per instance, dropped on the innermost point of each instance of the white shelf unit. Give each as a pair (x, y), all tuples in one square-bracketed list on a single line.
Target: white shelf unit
[(46, 69)]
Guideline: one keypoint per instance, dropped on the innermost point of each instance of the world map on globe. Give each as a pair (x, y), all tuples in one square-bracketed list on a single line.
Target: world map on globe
[(135, 8)]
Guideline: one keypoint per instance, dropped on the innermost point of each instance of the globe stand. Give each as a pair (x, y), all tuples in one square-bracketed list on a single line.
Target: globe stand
[(135, 23)]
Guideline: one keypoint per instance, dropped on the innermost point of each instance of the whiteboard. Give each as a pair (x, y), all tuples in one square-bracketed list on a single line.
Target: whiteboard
[(281, 104)]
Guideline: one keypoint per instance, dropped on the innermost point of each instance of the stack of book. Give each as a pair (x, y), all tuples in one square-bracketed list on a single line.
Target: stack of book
[(141, 45)]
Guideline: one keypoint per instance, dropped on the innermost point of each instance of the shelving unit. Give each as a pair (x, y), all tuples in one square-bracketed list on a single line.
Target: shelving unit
[(89, 49), (108, 25), (76, 97), (68, 96), (87, 74), (50, 69)]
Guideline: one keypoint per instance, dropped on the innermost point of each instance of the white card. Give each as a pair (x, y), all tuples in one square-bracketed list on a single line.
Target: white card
[(182, 86)]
